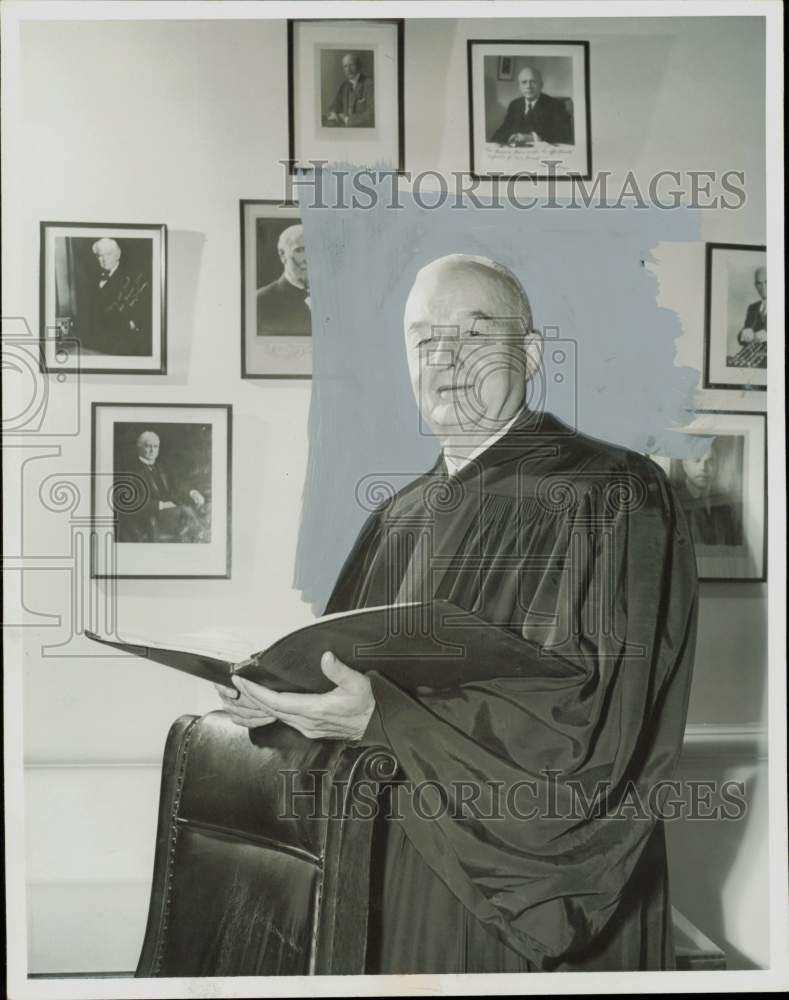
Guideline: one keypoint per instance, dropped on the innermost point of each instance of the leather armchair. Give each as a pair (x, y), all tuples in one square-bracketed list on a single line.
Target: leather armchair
[(249, 882), (244, 885)]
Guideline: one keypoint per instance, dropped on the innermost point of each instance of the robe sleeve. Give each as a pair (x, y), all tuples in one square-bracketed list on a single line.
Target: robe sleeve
[(568, 762)]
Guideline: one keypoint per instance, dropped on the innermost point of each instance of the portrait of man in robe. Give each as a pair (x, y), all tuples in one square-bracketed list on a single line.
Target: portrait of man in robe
[(549, 852)]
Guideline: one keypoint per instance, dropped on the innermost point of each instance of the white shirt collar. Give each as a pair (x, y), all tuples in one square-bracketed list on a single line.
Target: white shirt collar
[(106, 275), (455, 463)]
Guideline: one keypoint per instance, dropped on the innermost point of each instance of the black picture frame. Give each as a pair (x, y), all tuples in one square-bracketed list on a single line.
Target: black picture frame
[(48, 339), (95, 473), (399, 24), (709, 280), (582, 46), (245, 319), (761, 417)]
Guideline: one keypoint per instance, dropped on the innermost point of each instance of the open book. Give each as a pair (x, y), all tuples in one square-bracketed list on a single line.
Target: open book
[(430, 645)]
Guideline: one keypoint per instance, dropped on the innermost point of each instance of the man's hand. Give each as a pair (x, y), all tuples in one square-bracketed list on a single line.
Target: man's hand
[(746, 335), (761, 336), (197, 498), (332, 116), (341, 714)]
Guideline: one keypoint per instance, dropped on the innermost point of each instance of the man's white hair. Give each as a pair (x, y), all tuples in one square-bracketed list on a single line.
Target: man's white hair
[(509, 284), (287, 236), (104, 241), (147, 434)]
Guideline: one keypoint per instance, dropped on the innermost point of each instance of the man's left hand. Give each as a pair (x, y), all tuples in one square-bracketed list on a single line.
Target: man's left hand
[(341, 714)]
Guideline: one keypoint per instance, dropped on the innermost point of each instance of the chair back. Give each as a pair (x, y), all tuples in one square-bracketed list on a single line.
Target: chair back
[(263, 852)]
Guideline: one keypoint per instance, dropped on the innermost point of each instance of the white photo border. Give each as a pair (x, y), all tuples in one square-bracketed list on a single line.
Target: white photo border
[(579, 52), (385, 150), (133, 561), (717, 374)]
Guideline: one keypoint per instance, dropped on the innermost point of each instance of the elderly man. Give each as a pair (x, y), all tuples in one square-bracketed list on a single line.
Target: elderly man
[(354, 105), (549, 853), (534, 117), (169, 512), (283, 307), (121, 305), (754, 331)]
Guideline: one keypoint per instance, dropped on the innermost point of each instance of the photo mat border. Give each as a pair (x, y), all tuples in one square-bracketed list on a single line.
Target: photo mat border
[(228, 408)]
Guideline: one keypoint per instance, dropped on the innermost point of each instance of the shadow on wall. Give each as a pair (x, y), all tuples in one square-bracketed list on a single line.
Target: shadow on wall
[(718, 868)]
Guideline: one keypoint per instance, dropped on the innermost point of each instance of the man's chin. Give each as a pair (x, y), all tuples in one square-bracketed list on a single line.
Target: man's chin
[(447, 417)]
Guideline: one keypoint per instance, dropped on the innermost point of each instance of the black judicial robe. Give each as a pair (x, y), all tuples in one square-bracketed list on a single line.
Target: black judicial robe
[(582, 549)]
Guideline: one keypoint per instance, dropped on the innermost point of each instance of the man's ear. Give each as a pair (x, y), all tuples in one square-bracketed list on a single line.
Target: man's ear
[(533, 345)]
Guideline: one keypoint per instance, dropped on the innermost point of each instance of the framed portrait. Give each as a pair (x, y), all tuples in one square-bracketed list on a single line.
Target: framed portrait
[(345, 93), (102, 287), (722, 488), (505, 68), (276, 317), (161, 488), (735, 325), (529, 109)]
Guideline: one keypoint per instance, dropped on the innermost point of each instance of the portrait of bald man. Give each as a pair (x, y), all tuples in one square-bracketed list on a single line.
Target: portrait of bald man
[(546, 850), (283, 305), (353, 102), (534, 116), (167, 470)]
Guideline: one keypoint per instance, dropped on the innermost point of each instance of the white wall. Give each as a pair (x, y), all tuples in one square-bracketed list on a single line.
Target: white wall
[(174, 122)]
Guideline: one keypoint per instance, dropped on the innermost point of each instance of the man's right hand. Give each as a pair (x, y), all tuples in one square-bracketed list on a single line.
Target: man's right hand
[(241, 715), (746, 335)]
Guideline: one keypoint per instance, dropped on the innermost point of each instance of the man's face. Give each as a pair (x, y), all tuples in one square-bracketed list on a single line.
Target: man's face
[(148, 447), (107, 253), (760, 280), (293, 257), (465, 349), (530, 83), (701, 472), (349, 67)]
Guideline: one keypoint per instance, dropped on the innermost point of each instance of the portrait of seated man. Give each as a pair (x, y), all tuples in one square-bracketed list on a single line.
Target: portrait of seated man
[(166, 506), (119, 303), (713, 515), (582, 550), (535, 116), (283, 306), (753, 336), (353, 105)]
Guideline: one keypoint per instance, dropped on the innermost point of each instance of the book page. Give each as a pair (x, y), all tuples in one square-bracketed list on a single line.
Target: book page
[(233, 644)]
